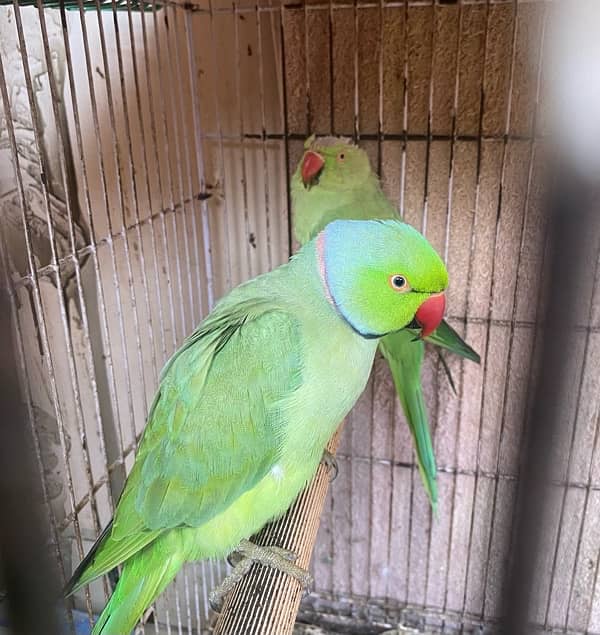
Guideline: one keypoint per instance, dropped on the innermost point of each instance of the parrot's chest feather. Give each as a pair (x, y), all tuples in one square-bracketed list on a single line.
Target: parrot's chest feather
[(340, 368), (335, 374)]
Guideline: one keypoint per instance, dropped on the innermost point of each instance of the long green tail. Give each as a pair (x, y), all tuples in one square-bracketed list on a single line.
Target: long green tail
[(145, 575), (404, 353), (405, 356)]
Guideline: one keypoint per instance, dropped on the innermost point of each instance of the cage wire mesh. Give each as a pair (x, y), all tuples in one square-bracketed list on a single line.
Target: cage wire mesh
[(145, 159), (87, 5)]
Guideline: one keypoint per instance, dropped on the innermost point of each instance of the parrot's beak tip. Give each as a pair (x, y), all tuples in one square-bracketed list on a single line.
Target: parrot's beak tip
[(312, 166), (430, 313)]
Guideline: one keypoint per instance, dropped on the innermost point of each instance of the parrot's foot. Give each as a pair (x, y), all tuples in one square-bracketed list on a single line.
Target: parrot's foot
[(330, 462), (246, 555), (241, 553)]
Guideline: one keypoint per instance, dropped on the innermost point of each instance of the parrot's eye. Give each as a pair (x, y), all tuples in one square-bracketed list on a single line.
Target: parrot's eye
[(399, 283), (341, 157)]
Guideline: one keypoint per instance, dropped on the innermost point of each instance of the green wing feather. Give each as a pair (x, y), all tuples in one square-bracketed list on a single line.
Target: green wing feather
[(105, 555), (446, 337), (214, 429), (405, 356)]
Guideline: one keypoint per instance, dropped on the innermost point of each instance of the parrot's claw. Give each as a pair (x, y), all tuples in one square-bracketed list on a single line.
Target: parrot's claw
[(275, 557), (330, 463), (286, 554), (217, 596), (235, 557)]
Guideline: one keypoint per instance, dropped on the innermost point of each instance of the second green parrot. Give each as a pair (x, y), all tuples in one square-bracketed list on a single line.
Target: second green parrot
[(334, 180)]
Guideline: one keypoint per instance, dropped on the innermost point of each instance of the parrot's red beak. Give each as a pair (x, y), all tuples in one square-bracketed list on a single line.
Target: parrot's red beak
[(430, 313), (312, 164)]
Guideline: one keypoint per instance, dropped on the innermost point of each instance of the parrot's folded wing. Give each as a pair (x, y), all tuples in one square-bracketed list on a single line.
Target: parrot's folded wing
[(214, 430), (216, 426), (105, 555), (405, 356), (446, 337)]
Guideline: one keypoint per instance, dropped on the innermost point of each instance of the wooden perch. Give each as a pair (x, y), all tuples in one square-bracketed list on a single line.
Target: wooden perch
[(266, 601)]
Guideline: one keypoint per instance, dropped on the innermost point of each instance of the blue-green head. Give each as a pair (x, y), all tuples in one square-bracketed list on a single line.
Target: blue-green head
[(380, 275)]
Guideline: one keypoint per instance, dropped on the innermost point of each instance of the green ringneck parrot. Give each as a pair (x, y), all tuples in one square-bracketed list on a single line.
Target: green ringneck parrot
[(334, 180), (246, 406)]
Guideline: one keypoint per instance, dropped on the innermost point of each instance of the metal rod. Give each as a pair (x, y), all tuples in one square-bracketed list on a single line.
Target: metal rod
[(185, 158), (406, 81), (424, 218), (449, 209), (286, 129), (493, 289), (170, 189), (200, 168), (121, 196), (61, 302), (181, 159), (263, 122), (221, 136), (135, 198), (242, 149), (470, 273), (595, 454), (111, 447), (140, 119), (90, 366), (196, 6)]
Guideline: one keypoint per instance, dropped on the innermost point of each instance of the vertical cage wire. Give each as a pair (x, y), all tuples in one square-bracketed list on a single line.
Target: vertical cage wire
[(469, 275), (37, 297), (503, 170), (185, 200), (537, 61), (199, 153), (114, 482), (24, 378), (115, 468), (452, 162)]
